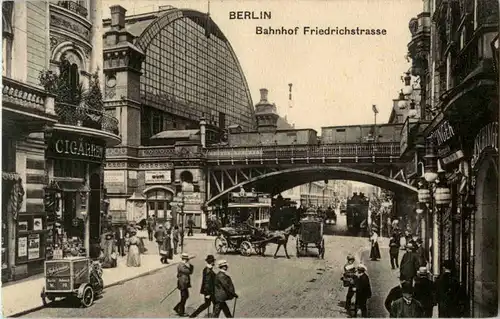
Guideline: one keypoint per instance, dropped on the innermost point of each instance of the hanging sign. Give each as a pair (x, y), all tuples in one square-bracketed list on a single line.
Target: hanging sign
[(443, 133), (486, 138)]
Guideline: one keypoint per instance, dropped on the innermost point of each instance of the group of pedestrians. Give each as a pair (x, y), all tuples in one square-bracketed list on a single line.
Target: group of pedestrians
[(123, 241), (216, 288), (358, 283), (416, 297), (168, 241)]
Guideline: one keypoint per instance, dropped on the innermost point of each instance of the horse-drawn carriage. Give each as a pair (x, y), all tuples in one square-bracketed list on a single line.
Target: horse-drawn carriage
[(310, 232), (244, 238)]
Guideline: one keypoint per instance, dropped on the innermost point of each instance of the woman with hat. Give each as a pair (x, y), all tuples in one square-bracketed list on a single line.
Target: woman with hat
[(375, 250), (133, 256), (349, 280), (109, 251), (207, 286)]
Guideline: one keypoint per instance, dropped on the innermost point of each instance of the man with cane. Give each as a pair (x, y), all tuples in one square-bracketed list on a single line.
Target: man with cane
[(184, 272), (207, 287), (224, 291)]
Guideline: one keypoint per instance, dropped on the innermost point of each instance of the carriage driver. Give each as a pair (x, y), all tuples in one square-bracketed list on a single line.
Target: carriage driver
[(349, 280)]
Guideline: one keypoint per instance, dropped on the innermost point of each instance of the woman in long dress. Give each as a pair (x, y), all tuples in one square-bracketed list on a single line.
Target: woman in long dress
[(375, 251), (133, 256), (109, 251)]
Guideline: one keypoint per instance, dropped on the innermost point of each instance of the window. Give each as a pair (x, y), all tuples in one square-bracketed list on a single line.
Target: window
[(158, 203), (70, 168), (7, 35)]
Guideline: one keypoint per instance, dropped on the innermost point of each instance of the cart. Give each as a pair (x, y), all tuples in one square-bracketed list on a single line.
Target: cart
[(310, 233), (74, 277), (231, 239)]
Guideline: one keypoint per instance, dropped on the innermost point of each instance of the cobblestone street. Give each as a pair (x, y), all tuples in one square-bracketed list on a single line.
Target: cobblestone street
[(268, 287)]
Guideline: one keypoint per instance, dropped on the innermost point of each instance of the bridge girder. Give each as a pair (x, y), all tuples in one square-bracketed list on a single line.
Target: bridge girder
[(274, 180)]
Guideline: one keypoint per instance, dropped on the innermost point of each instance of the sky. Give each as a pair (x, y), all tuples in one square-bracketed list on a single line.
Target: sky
[(336, 78)]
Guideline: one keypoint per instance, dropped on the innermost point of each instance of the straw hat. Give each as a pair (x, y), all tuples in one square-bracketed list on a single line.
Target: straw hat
[(222, 263), (184, 256), (422, 271)]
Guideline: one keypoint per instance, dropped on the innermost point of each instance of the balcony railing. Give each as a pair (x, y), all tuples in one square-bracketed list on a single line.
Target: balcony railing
[(81, 116), (26, 96), (306, 151), (74, 6)]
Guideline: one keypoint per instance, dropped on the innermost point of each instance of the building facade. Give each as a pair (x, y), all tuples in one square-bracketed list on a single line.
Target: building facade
[(175, 84), (55, 132), (454, 50)]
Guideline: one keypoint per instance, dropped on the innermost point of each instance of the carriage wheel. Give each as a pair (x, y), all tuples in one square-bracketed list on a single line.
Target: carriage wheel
[(87, 296), (246, 248), (221, 245)]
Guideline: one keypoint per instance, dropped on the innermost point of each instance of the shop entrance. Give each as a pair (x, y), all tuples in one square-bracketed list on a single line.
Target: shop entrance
[(486, 239), (95, 207)]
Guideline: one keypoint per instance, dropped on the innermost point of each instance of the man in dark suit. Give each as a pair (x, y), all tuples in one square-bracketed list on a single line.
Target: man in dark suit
[(394, 294), (409, 263), (184, 272), (120, 240), (423, 291), (448, 292), (207, 286), (224, 291), (363, 290), (394, 251)]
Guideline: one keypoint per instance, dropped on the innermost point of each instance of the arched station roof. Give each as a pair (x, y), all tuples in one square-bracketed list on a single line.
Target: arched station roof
[(279, 181)]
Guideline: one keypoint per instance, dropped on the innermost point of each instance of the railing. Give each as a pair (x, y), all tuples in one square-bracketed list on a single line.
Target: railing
[(74, 7), (81, 116), (305, 151), (27, 96)]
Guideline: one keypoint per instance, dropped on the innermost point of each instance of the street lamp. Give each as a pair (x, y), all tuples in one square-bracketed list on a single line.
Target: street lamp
[(181, 206), (408, 88)]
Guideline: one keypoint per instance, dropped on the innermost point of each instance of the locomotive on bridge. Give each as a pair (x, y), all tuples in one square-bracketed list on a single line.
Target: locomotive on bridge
[(357, 213)]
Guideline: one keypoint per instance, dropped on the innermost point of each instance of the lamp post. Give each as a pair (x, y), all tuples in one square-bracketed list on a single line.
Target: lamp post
[(84, 206), (181, 205)]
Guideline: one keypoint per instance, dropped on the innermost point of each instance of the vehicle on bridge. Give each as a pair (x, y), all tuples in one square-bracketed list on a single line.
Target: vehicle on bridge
[(310, 233), (357, 213)]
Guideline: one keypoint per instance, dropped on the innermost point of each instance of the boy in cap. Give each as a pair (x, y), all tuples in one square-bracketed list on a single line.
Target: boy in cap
[(184, 272), (207, 286), (224, 291), (363, 290)]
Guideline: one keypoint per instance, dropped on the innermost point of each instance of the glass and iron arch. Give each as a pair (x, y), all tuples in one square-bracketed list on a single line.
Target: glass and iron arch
[(191, 71)]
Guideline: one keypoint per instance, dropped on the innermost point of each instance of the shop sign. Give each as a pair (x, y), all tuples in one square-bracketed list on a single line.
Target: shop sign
[(453, 157), (158, 177), (114, 181), (76, 147), (33, 246), (487, 138), (443, 133), (22, 247)]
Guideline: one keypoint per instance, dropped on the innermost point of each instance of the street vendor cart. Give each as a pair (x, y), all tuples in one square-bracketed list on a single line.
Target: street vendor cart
[(74, 277)]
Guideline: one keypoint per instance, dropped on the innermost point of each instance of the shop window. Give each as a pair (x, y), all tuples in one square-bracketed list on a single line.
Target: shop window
[(69, 169), (158, 203)]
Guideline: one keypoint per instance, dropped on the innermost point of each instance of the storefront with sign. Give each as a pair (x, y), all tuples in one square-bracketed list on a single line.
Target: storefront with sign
[(73, 197), (484, 164)]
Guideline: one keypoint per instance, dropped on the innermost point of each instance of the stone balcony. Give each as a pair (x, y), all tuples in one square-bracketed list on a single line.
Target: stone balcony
[(27, 104), (74, 7)]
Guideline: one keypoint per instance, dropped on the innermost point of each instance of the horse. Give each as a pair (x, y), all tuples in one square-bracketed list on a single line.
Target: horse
[(280, 238)]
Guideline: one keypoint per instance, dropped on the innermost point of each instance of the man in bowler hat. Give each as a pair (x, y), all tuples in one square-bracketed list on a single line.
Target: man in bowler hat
[(224, 291), (184, 272), (207, 286)]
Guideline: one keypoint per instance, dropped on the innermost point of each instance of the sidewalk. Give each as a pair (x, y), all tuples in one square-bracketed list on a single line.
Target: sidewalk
[(24, 296), (382, 279)]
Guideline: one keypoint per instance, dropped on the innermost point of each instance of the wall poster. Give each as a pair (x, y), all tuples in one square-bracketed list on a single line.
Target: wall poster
[(33, 246)]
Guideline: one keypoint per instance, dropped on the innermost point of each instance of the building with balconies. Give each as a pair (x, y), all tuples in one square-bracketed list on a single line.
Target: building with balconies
[(55, 131), (454, 49)]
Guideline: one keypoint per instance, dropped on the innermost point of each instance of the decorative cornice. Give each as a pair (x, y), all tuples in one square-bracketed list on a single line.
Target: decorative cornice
[(68, 26)]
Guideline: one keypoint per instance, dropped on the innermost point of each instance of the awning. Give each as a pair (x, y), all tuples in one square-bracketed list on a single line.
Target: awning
[(172, 134)]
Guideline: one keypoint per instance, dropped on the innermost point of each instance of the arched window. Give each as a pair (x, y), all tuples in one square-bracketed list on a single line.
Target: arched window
[(158, 203), (7, 35)]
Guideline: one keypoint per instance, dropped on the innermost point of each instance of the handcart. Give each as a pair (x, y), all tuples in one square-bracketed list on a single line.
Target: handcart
[(73, 277)]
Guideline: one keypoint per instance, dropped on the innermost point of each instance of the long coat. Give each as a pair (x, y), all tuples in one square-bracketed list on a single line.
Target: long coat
[(363, 289), (423, 291), (406, 309), (224, 288), (409, 265), (208, 282), (184, 272), (448, 290), (394, 294)]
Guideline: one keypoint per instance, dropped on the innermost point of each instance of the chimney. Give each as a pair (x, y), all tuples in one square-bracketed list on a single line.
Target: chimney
[(263, 95), (117, 17)]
